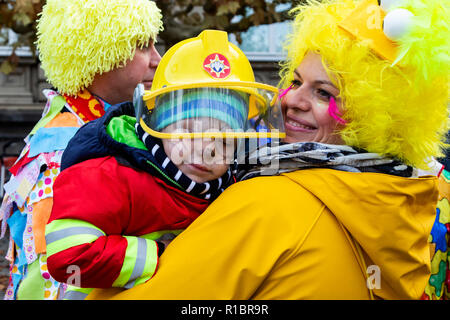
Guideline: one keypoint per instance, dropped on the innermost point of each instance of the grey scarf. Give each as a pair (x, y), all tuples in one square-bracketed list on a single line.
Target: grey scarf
[(302, 155)]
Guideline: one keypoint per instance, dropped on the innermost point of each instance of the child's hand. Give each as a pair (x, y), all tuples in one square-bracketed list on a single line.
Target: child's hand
[(165, 239)]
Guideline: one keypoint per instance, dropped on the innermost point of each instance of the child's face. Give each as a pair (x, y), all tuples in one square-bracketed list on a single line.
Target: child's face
[(200, 159)]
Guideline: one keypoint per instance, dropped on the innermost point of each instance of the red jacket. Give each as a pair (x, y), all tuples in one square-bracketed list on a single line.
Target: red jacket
[(106, 232)]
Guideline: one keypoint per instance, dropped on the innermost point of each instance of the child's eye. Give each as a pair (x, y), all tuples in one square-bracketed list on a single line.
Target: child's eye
[(228, 144)]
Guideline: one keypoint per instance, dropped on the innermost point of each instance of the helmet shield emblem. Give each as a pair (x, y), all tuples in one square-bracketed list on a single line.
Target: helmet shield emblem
[(217, 65)]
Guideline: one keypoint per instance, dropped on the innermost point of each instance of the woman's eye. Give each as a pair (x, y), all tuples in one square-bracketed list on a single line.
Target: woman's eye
[(295, 83), (324, 94)]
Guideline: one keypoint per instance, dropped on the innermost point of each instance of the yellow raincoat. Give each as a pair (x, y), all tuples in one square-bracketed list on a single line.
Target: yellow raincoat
[(309, 234)]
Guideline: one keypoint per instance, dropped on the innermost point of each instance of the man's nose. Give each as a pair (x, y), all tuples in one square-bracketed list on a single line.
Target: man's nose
[(155, 57)]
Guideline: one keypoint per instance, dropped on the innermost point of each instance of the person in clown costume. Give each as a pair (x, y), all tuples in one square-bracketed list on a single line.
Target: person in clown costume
[(94, 53), (347, 214), (143, 179)]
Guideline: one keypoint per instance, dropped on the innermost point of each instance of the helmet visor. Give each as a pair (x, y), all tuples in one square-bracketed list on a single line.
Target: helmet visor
[(228, 111)]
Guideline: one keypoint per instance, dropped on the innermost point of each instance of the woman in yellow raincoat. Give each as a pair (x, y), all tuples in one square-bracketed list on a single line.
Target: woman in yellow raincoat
[(347, 216)]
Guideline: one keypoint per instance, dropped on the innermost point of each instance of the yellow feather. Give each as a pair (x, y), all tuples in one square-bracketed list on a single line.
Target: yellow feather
[(399, 111)]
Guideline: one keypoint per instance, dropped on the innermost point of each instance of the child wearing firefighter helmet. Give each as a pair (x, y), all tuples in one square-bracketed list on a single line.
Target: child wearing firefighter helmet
[(144, 172)]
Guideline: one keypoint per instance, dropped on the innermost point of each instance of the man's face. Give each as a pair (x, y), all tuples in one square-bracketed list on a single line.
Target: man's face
[(118, 85), (141, 69)]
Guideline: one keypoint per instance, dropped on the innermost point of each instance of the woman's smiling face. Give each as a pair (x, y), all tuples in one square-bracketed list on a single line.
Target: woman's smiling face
[(305, 106)]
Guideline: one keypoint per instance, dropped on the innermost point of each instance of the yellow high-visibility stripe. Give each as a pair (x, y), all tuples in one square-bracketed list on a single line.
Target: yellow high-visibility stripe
[(66, 233), (76, 293), (140, 261), (128, 263), (59, 224)]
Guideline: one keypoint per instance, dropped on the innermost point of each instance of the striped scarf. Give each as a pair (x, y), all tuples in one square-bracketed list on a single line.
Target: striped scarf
[(209, 190), (289, 157)]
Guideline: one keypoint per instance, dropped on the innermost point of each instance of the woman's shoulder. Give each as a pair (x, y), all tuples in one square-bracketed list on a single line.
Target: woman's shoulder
[(267, 186), (270, 194)]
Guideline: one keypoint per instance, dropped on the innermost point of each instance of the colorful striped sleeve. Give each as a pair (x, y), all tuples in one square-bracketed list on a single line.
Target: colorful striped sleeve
[(66, 233), (141, 260), (100, 260), (85, 232)]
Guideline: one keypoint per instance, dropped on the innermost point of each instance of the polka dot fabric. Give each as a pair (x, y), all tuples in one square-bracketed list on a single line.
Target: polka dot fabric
[(28, 238), (42, 189), (44, 186), (51, 286)]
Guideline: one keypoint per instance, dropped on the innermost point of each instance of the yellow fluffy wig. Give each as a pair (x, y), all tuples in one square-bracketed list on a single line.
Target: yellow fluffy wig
[(399, 110), (78, 39)]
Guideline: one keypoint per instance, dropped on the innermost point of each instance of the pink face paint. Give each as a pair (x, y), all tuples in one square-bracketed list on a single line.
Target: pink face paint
[(284, 92), (334, 112)]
